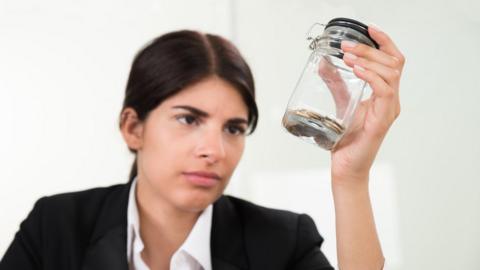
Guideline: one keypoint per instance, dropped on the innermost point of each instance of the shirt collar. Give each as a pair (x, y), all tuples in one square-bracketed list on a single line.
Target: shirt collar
[(197, 243)]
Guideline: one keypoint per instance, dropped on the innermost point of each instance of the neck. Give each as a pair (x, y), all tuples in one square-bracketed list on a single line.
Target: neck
[(163, 227)]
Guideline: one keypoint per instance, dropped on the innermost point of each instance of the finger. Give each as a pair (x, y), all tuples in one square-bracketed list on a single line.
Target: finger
[(389, 75), (370, 53), (385, 42), (383, 102), (379, 87), (359, 116), (335, 84)]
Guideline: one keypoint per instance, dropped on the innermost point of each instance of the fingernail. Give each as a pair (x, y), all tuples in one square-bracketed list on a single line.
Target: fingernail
[(374, 27), (348, 44), (359, 68), (349, 56)]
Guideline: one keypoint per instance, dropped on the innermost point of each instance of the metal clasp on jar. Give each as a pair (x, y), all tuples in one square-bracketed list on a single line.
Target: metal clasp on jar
[(314, 40)]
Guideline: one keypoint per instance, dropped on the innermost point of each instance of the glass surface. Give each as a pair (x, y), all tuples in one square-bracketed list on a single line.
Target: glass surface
[(325, 98)]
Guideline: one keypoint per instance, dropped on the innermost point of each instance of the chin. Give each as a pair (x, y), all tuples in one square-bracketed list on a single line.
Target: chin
[(196, 200)]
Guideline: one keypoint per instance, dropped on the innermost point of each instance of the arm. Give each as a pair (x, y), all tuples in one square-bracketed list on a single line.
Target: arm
[(358, 246)]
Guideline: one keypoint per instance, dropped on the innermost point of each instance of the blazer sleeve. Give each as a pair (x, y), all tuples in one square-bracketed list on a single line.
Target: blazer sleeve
[(24, 251), (308, 255)]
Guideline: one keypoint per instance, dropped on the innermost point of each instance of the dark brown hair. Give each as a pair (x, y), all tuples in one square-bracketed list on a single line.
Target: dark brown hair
[(178, 59)]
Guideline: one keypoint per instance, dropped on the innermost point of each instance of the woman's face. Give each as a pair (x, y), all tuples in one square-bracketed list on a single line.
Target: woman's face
[(191, 144)]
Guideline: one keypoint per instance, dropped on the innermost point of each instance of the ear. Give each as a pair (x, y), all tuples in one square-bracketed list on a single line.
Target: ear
[(132, 129)]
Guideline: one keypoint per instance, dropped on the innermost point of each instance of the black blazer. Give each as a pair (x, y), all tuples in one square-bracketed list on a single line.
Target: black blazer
[(87, 230)]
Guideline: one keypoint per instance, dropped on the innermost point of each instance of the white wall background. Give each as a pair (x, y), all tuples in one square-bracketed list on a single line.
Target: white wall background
[(64, 65)]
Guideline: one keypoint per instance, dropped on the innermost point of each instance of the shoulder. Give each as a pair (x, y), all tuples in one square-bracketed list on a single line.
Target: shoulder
[(78, 211), (63, 226), (85, 197), (292, 238), (78, 201), (255, 213), (271, 222)]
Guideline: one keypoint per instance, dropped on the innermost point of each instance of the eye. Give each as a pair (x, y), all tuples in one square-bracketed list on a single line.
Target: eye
[(187, 119), (235, 130)]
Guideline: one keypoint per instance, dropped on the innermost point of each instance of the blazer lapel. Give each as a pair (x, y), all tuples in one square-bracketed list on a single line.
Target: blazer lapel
[(218, 264), (108, 244), (227, 240), (109, 252)]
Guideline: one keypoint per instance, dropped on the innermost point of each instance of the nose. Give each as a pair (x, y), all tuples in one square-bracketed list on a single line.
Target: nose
[(211, 146)]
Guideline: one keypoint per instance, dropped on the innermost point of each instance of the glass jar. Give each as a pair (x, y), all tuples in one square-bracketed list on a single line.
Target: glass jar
[(323, 103)]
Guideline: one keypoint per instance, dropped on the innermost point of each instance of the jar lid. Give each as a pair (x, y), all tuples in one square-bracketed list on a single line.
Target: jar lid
[(353, 24)]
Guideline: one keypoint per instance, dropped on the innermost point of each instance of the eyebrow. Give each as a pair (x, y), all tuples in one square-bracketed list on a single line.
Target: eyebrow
[(203, 114)]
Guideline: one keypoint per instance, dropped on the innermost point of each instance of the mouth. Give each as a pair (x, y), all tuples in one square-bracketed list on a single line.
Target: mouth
[(202, 179)]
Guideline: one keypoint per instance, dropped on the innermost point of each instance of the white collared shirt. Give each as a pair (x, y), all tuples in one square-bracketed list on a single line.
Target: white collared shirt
[(193, 254)]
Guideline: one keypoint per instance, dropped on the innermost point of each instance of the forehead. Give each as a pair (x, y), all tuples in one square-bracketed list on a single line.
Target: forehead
[(213, 95)]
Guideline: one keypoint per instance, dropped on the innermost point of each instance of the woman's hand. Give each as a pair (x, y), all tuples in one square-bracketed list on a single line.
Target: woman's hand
[(381, 69)]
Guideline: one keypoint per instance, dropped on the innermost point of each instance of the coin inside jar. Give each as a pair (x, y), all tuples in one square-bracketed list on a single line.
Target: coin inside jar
[(312, 126)]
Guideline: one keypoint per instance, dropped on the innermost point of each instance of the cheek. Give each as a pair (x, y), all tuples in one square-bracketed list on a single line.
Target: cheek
[(235, 152), (161, 152)]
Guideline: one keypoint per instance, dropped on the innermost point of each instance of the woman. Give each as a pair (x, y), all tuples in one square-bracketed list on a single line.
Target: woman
[(188, 106)]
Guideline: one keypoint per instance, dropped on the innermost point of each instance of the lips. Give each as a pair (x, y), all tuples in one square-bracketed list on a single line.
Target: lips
[(202, 179)]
